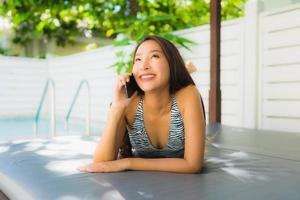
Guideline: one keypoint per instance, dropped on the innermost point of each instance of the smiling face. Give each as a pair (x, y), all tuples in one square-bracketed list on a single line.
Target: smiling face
[(151, 68)]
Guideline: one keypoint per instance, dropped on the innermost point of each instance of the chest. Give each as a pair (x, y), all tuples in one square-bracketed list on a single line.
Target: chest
[(157, 129)]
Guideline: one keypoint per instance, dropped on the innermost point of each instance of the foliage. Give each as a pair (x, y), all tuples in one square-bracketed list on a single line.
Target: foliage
[(3, 50), (65, 20)]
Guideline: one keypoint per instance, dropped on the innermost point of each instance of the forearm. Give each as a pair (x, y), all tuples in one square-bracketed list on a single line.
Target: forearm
[(177, 165), (106, 149)]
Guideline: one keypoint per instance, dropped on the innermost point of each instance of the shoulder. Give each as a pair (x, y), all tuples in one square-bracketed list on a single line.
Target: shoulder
[(187, 92), (188, 96)]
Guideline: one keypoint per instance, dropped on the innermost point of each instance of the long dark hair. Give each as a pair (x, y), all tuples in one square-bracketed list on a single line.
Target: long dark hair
[(179, 78)]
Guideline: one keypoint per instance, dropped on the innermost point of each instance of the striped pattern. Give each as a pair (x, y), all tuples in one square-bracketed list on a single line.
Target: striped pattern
[(141, 144)]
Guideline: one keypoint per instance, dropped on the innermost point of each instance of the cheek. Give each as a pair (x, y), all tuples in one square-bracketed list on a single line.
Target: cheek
[(134, 72), (134, 68), (166, 69), (165, 74), (161, 65)]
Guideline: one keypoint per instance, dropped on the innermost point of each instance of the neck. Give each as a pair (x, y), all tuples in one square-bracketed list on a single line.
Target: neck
[(158, 102)]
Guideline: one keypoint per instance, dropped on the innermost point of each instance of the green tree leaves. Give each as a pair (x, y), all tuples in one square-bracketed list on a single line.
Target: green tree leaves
[(63, 20)]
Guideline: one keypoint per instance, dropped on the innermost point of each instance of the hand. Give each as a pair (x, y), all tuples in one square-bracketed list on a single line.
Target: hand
[(190, 67), (120, 99), (106, 166)]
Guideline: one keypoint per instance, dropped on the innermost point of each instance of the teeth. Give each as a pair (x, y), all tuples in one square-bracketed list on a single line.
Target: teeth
[(147, 76)]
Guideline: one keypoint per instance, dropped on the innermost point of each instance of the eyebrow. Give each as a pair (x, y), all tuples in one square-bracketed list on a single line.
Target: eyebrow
[(150, 52)]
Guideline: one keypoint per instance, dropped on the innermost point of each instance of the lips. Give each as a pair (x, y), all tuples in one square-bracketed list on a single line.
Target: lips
[(147, 76)]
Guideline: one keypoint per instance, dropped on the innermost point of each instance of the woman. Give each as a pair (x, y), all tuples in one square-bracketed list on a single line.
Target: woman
[(165, 119)]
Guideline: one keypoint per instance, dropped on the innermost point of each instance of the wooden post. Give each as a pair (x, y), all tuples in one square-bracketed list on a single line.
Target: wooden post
[(214, 91)]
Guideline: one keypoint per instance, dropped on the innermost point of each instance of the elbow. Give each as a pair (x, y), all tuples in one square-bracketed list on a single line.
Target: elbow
[(95, 159), (194, 168), (102, 158), (99, 158)]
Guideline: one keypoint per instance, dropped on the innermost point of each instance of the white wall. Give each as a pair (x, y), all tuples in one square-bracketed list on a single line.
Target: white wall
[(93, 66), (21, 85), (275, 4), (231, 66), (279, 101)]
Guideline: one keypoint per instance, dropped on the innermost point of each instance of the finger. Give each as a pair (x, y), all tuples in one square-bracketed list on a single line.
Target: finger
[(82, 168), (89, 169), (120, 83), (128, 76), (98, 167), (123, 79)]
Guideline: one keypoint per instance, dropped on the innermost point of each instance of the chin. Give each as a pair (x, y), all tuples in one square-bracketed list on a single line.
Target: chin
[(147, 89)]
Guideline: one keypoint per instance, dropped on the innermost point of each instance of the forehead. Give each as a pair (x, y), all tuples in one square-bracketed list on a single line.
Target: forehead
[(148, 47)]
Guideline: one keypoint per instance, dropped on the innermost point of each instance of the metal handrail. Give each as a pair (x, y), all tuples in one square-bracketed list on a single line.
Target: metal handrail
[(53, 113), (88, 107)]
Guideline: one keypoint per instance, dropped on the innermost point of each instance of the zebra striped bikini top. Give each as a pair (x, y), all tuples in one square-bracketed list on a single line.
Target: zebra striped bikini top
[(141, 145)]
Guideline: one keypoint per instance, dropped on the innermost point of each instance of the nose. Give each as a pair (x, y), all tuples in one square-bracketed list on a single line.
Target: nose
[(145, 64)]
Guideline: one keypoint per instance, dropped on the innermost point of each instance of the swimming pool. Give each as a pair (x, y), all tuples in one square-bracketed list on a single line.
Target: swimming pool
[(22, 127)]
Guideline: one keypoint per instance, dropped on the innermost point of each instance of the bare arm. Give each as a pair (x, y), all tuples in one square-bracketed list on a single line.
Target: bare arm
[(107, 148), (177, 165), (113, 134)]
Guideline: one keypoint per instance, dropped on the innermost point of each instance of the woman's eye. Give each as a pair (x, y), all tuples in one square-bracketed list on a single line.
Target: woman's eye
[(137, 59), (155, 56)]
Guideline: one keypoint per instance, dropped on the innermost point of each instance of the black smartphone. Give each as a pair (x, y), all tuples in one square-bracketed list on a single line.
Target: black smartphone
[(131, 86)]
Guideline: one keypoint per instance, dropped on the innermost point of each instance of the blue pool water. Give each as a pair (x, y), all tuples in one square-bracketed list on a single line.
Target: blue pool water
[(20, 128)]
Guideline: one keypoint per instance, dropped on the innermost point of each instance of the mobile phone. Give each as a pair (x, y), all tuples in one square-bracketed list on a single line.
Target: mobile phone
[(131, 86)]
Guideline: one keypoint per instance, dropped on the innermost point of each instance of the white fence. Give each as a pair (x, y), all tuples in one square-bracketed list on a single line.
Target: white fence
[(21, 84), (259, 73), (93, 66), (231, 66), (280, 69)]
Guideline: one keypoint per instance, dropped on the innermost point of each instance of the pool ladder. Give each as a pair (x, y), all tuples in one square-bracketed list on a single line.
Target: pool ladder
[(51, 83), (88, 108)]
